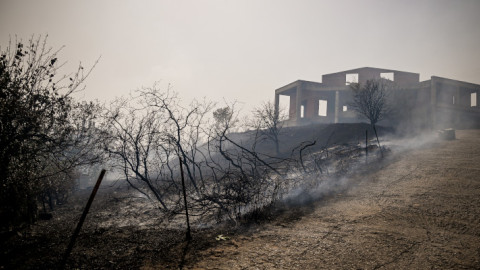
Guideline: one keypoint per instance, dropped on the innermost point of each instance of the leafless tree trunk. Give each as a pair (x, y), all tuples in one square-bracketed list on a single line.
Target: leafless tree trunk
[(270, 122), (371, 101)]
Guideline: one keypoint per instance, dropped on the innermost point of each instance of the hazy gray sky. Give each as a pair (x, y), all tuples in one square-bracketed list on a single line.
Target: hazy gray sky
[(244, 50)]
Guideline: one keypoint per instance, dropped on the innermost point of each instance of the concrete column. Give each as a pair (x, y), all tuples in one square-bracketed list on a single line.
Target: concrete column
[(277, 103), (291, 110), (478, 98), (337, 101), (298, 105), (310, 107)]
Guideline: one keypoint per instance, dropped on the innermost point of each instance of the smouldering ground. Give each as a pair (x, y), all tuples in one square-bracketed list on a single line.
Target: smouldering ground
[(421, 211)]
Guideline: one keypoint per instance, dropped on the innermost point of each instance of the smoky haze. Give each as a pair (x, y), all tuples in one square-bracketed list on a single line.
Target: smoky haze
[(180, 99), (243, 49)]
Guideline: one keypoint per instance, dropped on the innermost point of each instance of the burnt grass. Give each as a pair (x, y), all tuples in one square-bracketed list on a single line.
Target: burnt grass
[(127, 232), (43, 245)]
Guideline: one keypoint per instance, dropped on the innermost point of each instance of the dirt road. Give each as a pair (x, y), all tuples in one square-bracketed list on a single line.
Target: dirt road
[(421, 211)]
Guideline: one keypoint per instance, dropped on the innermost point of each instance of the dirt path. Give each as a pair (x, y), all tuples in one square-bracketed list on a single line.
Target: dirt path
[(421, 211)]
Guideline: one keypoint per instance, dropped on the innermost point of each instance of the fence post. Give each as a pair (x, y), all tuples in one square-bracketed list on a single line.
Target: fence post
[(366, 145), (82, 219)]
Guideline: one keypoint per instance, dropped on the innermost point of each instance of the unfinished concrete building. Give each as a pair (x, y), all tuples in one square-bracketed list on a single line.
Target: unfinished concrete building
[(435, 103)]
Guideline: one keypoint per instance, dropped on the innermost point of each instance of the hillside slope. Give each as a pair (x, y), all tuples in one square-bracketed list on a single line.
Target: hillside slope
[(324, 135), (421, 211)]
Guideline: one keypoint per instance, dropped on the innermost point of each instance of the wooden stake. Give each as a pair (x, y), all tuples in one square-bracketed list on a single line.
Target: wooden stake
[(366, 145), (82, 219)]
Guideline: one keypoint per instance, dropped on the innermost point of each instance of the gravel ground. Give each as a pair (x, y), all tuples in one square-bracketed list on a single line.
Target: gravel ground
[(421, 211)]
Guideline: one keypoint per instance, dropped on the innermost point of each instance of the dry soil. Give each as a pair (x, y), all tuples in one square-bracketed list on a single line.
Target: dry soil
[(421, 211)]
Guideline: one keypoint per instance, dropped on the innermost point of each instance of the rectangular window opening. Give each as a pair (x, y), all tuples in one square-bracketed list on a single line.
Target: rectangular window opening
[(345, 108), (322, 107), (453, 100), (387, 76), (473, 100), (302, 111), (351, 78), (284, 105)]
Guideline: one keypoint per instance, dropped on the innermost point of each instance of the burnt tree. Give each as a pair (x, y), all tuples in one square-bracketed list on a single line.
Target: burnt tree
[(371, 101)]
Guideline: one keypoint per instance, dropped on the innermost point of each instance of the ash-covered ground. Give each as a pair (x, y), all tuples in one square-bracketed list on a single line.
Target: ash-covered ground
[(417, 208)]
